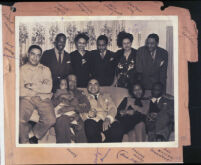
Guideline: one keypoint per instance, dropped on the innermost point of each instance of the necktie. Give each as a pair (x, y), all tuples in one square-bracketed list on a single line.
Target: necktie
[(96, 97), (138, 102), (59, 57)]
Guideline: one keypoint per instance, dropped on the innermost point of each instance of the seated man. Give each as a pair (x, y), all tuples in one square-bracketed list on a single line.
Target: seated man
[(160, 119), (100, 124), (35, 93), (69, 126)]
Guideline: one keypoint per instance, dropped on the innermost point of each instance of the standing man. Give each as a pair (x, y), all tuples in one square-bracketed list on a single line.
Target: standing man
[(103, 62), (100, 123), (58, 60), (62, 126), (35, 93), (152, 62)]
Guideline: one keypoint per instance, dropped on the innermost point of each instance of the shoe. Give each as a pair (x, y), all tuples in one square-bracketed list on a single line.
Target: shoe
[(33, 140)]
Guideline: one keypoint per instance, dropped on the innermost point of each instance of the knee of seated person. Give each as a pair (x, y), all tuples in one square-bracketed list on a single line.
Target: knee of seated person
[(50, 121), (140, 125), (89, 123)]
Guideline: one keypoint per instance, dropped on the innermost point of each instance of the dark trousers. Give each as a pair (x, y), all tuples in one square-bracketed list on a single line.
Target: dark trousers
[(93, 131), (63, 133), (129, 122)]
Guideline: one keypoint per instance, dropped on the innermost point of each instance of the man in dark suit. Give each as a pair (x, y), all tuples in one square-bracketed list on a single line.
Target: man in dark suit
[(58, 60), (152, 62), (103, 62), (160, 119)]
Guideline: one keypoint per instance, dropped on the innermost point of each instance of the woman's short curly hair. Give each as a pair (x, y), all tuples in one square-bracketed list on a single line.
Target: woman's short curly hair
[(121, 36), (81, 35)]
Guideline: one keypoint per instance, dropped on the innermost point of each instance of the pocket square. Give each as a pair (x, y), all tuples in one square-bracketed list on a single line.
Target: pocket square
[(162, 62), (68, 62), (111, 59)]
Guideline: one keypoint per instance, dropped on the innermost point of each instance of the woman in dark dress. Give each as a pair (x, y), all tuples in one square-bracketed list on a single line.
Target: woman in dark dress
[(80, 59), (125, 61), (132, 111)]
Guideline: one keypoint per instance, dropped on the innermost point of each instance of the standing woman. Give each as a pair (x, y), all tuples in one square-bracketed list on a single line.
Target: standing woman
[(125, 60), (81, 60), (132, 111)]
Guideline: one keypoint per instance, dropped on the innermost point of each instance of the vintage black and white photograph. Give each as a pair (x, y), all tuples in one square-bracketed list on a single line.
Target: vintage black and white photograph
[(96, 81)]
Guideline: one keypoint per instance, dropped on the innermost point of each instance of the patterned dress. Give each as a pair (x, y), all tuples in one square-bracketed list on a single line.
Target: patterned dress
[(125, 70)]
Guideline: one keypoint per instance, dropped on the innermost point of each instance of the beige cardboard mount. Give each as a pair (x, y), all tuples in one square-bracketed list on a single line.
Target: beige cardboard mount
[(187, 51)]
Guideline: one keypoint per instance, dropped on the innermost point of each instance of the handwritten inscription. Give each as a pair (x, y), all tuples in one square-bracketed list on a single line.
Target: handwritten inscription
[(113, 9), (132, 8), (100, 156), (162, 153), (133, 156), (72, 153), (60, 9), (84, 8)]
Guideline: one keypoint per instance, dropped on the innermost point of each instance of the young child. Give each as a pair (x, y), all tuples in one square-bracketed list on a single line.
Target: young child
[(64, 102)]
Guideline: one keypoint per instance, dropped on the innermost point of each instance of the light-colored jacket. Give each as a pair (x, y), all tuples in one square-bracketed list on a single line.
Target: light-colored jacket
[(104, 106), (40, 78)]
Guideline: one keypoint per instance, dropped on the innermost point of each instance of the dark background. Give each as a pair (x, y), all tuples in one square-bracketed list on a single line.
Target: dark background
[(192, 154)]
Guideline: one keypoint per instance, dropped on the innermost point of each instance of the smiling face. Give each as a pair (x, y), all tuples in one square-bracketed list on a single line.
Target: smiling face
[(137, 91), (126, 44), (151, 44), (81, 44), (60, 43), (93, 87), (101, 45), (34, 56)]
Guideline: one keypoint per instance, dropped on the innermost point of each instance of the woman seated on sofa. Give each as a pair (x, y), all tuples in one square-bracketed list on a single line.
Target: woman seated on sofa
[(132, 113)]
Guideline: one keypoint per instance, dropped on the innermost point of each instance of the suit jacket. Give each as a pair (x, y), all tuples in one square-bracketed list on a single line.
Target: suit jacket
[(81, 67), (58, 71), (104, 106), (103, 69), (152, 70), (165, 117)]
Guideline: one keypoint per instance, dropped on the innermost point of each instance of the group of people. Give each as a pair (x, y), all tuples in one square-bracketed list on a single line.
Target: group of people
[(49, 83)]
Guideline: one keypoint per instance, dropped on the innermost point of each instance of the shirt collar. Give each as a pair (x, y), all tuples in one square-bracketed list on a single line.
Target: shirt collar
[(155, 99), (94, 95)]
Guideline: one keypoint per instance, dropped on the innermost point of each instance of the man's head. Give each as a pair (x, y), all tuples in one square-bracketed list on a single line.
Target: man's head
[(60, 41), (152, 42), (72, 82), (157, 90), (93, 87), (102, 42), (34, 55)]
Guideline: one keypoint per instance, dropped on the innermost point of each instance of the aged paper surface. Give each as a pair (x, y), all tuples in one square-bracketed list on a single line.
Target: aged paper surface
[(187, 51)]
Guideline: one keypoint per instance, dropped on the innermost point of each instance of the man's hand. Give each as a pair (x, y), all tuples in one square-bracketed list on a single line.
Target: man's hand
[(106, 124), (151, 116), (65, 109), (28, 85), (130, 112), (123, 112), (92, 113)]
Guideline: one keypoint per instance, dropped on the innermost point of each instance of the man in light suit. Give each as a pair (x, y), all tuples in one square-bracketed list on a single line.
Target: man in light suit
[(100, 123), (58, 60), (152, 62)]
